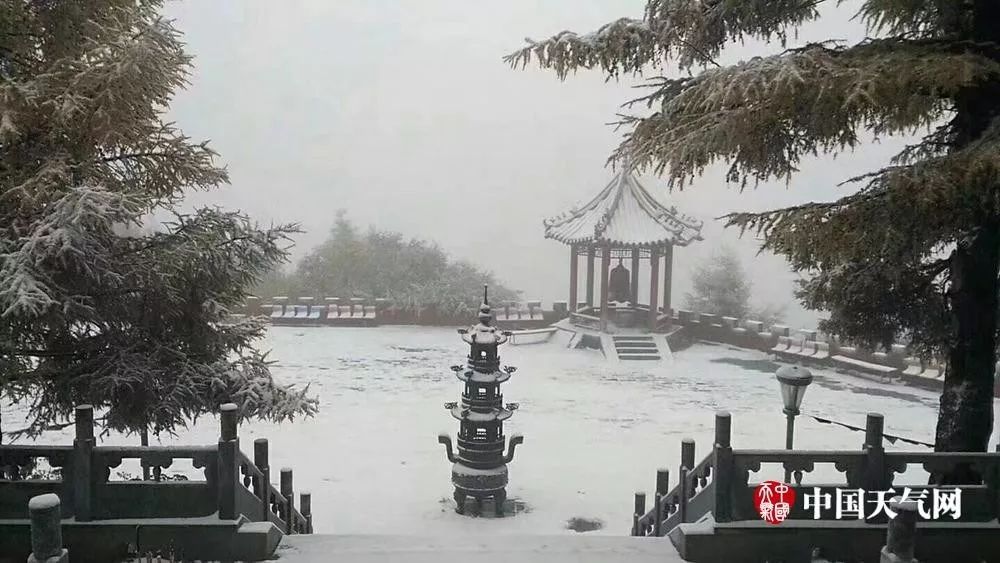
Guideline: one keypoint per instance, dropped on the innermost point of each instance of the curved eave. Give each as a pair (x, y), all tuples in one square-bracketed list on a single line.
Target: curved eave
[(628, 244), (624, 214)]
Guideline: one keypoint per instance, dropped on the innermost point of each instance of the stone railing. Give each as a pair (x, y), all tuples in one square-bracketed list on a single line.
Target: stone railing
[(232, 489), (721, 486), (585, 321), (334, 311), (276, 505), (809, 347)]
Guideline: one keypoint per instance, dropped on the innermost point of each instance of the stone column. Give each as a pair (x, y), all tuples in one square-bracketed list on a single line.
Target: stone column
[(605, 270), (46, 530), (574, 270), (668, 276), (590, 276), (901, 533), (636, 252), (654, 285)]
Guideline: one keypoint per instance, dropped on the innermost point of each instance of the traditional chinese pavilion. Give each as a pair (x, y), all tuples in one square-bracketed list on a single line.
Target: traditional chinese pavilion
[(479, 469), (622, 223)]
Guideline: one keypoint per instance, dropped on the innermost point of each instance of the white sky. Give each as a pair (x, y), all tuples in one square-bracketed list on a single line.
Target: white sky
[(403, 113)]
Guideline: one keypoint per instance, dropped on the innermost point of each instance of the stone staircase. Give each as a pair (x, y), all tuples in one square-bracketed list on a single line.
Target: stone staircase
[(484, 548), (637, 347)]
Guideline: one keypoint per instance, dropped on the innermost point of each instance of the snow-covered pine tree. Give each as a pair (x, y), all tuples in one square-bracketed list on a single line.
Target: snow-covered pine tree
[(93, 309), (719, 286), (915, 250)]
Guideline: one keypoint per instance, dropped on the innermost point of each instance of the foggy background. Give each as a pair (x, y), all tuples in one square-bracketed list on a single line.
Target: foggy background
[(403, 113)]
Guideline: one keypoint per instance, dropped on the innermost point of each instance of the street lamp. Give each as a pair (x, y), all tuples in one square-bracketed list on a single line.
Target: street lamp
[(793, 381)]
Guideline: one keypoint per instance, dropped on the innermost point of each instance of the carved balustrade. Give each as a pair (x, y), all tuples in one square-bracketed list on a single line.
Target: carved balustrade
[(233, 486), (723, 482)]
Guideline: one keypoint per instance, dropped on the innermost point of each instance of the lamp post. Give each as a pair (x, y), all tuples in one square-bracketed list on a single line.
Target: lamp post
[(793, 381)]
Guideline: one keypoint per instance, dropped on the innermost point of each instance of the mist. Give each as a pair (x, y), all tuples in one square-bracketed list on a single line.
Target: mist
[(404, 114)]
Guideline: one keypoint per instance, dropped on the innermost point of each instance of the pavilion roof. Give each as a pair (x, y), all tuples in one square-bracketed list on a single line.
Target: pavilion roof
[(624, 214)]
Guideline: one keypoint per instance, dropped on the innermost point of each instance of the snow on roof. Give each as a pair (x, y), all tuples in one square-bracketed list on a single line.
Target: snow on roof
[(624, 214)]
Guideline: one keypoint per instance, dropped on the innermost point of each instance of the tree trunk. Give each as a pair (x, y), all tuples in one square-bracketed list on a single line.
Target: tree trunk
[(965, 418)]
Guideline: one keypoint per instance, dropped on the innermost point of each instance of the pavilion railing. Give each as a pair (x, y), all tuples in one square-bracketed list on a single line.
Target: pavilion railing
[(584, 320), (232, 486), (720, 485)]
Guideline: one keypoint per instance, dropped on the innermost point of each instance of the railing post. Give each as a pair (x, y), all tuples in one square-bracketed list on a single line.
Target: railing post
[(874, 428), (638, 510), (874, 476), (723, 468), (46, 530), (682, 504), (289, 494), (687, 463), (663, 481), (305, 507), (687, 453), (658, 514), (901, 532), (229, 445), (264, 494), (83, 464)]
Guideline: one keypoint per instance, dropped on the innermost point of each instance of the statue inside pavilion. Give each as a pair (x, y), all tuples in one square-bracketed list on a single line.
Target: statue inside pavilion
[(479, 469)]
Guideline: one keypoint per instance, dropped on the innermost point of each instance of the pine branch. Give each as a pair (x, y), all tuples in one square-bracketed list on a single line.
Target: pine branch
[(764, 115), (133, 155), (693, 32)]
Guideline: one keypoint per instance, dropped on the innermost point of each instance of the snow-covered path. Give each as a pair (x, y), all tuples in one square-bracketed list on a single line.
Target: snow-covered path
[(594, 432)]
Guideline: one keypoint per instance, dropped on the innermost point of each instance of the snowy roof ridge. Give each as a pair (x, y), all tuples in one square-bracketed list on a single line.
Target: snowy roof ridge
[(624, 214)]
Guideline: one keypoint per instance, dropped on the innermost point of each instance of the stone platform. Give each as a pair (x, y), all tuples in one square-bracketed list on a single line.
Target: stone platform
[(321, 548)]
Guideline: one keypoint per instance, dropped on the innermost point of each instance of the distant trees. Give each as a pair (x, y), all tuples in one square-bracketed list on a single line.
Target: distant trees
[(720, 287), (414, 275), (93, 308)]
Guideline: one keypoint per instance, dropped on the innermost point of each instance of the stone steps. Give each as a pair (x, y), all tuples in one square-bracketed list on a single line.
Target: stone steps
[(481, 548), (636, 348)]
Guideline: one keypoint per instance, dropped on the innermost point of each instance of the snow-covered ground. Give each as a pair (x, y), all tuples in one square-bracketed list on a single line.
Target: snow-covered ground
[(594, 432)]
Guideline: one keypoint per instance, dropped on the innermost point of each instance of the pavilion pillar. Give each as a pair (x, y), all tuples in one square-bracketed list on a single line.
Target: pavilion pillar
[(574, 270), (636, 251), (654, 285), (605, 270), (590, 276), (668, 277)]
